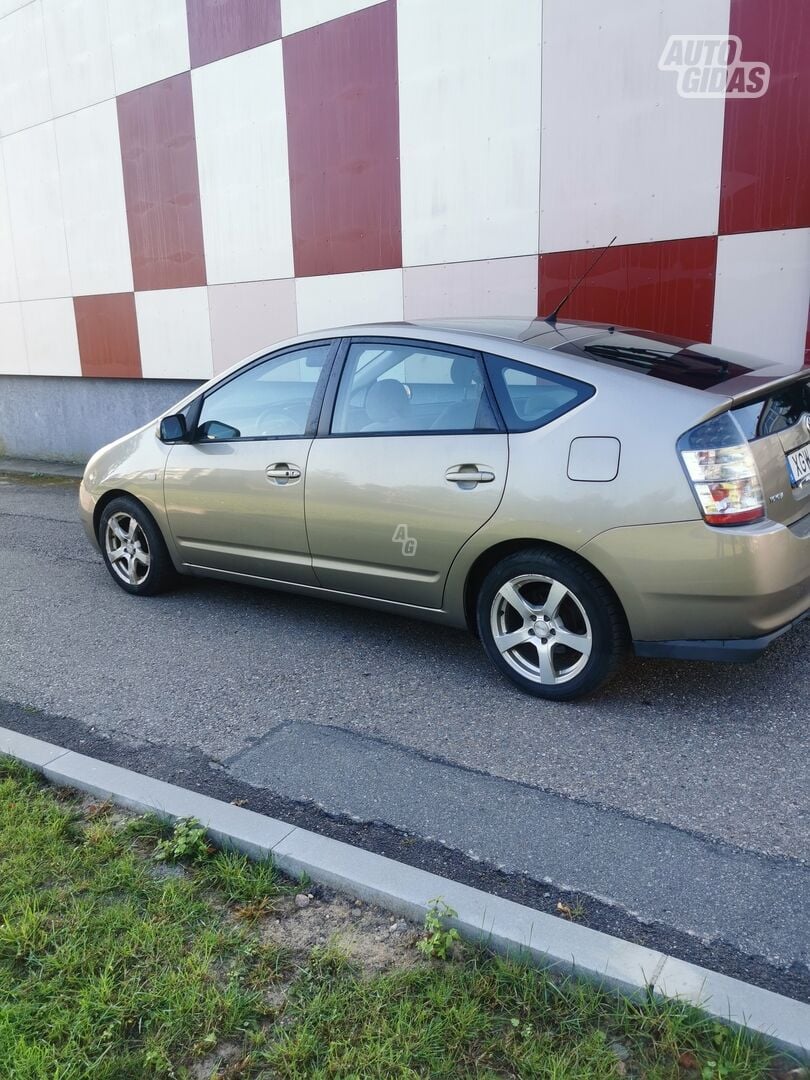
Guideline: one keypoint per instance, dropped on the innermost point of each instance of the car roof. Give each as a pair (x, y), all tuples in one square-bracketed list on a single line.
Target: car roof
[(521, 328), (596, 346), (533, 330), (527, 328)]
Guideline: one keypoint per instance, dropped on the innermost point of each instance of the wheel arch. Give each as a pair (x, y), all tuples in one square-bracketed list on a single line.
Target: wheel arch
[(487, 559), (120, 493)]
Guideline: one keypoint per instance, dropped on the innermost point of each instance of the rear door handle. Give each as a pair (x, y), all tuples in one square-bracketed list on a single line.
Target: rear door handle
[(282, 472), (470, 474)]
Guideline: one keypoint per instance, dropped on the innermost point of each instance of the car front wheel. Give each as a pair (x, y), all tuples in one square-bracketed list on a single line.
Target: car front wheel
[(550, 624), (133, 549)]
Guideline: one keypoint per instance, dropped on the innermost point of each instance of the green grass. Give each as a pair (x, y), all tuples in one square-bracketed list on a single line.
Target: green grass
[(111, 970), (490, 1017)]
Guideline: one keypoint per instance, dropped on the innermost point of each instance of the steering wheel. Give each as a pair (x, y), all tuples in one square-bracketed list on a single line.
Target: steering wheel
[(289, 419)]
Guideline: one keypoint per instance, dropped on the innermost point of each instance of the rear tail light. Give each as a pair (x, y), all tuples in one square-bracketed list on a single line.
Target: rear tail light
[(722, 472)]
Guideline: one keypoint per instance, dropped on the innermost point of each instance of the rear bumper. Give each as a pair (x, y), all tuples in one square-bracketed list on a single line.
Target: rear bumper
[(686, 587), (730, 650)]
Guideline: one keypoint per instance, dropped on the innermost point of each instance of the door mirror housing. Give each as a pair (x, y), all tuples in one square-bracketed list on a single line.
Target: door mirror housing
[(173, 429)]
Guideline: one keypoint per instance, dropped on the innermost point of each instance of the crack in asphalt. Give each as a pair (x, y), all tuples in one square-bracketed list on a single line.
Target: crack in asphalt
[(438, 759)]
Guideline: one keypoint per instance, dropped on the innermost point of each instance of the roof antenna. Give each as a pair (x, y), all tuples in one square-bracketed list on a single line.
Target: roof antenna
[(552, 318)]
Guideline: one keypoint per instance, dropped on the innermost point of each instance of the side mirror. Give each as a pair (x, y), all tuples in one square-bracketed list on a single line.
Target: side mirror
[(173, 429)]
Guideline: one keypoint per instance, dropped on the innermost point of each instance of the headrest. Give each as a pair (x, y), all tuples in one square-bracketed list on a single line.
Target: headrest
[(386, 399), (462, 371)]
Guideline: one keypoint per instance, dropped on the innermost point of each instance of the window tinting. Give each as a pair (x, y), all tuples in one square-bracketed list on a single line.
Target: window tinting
[(410, 388), (530, 397), (271, 399)]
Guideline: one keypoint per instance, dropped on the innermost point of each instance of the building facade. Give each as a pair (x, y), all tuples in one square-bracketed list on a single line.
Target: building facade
[(184, 182)]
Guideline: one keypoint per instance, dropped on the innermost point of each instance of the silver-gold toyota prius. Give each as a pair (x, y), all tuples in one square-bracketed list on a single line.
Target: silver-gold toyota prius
[(566, 491)]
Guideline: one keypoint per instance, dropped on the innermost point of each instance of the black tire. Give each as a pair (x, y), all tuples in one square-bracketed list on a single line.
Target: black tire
[(589, 613), (146, 540)]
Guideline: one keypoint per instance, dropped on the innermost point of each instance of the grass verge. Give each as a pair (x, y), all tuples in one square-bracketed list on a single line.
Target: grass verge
[(115, 964)]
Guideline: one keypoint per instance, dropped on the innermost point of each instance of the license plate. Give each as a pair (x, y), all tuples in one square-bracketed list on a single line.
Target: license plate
[(798, 464)]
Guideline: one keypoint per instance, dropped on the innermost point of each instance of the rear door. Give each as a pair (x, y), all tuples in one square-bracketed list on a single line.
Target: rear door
[(778, 428), (410, 462)]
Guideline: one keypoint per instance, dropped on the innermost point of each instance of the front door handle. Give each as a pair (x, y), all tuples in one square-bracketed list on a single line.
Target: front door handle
[(282, 472), (469, 475)]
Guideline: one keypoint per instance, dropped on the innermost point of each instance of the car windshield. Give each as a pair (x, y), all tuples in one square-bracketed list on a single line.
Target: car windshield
[(684, 362)]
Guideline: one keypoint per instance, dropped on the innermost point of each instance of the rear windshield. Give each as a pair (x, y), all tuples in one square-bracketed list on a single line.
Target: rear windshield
[(776, 412), (676, 361)]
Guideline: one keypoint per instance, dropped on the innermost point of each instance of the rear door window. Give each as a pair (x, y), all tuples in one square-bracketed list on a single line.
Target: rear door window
[(530, 397), (411, 388)]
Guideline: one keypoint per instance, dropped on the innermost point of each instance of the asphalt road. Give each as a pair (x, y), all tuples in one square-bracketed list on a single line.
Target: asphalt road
[(676, 798)]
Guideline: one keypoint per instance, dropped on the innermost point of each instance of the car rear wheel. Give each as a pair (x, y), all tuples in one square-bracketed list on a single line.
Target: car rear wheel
[(550, 624), (133, 549)]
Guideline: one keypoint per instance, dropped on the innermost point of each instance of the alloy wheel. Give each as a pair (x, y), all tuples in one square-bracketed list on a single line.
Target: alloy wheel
[(541, 629), (127, 549)]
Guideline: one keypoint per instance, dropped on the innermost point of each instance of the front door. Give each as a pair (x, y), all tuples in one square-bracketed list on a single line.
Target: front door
[(235, 493), (413, 464)]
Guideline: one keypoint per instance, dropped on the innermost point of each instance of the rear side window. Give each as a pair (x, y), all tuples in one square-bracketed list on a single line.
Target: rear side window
[(530, 397)]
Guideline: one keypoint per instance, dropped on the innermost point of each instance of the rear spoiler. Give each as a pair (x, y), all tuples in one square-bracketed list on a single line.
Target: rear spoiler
[(755, 385)]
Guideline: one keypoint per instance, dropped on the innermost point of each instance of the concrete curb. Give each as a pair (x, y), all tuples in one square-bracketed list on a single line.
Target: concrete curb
[(500, 924), (36, 468)]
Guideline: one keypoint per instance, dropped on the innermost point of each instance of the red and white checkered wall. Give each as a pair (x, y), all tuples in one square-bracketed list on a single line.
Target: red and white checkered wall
[(183, 182)]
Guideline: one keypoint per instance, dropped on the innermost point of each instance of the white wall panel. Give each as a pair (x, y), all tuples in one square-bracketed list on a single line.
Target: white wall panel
[(149, 41), (25, 93), (623, 154), (35, 205), (493, 287), (50, 337), (249, 316), (174, 333), (92, 186), (77, 36), (299, 14), (341, 299), (8, 269), (762, 293), (469, 92), (13, 355), (241, 127)]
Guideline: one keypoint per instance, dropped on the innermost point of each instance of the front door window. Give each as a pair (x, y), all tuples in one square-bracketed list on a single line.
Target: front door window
[(270, 400)]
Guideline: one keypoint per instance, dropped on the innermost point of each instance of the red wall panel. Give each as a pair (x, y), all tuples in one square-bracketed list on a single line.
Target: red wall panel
[(161, 184), (766, 141), (666, 286), (107, 328), (218, 28), (343, 138)]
